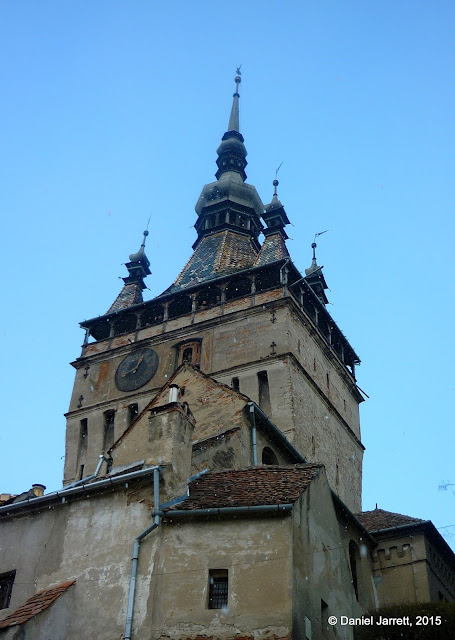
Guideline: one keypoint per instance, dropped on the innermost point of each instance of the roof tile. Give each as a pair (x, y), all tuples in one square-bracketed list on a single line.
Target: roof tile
[(217, 255), (262, 485), (273, 249), (380, 519), (130, 295), (35, 605)]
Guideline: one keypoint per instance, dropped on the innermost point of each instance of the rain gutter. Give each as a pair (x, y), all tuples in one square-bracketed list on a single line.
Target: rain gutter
[(76, 491), (221, 511), (102, 458)]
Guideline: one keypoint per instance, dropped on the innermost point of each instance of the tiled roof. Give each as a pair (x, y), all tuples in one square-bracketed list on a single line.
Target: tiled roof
[(274, 248), (216, 255), (36, 604), (129, 295), (380, 519), (262, 485)]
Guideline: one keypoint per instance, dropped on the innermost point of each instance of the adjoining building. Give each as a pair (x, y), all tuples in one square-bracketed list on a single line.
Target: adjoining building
[(213, 464)]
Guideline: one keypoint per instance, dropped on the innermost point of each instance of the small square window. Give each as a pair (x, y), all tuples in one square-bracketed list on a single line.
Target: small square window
[(218, 588), (6, 588)]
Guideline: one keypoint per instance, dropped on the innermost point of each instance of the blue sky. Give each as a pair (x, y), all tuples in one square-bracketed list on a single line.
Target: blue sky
[(112, 111)]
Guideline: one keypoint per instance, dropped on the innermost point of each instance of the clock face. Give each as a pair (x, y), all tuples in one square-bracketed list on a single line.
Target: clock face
[(136, 369)]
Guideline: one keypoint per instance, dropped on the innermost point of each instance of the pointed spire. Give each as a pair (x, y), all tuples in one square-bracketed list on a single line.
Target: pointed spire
[(234, 117), (232, 152), (275, 216), (315, 277)]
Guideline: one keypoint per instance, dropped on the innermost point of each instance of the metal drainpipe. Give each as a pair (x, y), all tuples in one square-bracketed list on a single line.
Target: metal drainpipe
[(135, 558), (253, 436), (97, 470)]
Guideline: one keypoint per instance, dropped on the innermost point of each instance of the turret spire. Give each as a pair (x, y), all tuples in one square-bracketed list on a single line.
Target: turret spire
[(314, 275), (138, 266)]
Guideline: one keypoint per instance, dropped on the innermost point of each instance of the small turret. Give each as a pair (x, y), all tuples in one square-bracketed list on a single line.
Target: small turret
[(315, 277), (138, 266)]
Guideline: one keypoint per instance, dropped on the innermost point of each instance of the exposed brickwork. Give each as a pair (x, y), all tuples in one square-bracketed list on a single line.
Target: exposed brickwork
[(217, 255), (260, 485), (36, 604), (380, 519), (130, 294)]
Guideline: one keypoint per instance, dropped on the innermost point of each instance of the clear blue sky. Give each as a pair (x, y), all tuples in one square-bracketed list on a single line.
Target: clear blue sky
[(112, 111)]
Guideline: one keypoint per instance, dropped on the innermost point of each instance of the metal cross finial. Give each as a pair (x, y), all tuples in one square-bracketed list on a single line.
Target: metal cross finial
[(239, 73)]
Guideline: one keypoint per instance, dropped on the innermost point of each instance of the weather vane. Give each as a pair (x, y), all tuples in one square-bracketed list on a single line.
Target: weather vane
[(239, 73)]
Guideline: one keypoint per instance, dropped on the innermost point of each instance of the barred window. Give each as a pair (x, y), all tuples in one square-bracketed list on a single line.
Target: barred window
[(218, 588)]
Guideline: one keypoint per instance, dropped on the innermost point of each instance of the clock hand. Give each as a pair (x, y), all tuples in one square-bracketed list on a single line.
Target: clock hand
[(134, 369), (139, 362)]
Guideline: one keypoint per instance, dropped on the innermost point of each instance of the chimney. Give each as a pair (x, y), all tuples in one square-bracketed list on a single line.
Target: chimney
[(173, 393), (38, 489)]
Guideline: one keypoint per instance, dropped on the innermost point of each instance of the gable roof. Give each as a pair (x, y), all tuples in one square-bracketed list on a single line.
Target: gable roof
[(204, 402), (380, 519), (35, 605), (262, 485)]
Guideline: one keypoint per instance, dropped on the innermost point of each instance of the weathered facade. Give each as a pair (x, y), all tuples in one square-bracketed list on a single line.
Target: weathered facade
[(213, 436)]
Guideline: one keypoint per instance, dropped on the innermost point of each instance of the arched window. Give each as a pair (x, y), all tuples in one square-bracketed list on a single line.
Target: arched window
[(269, 456)]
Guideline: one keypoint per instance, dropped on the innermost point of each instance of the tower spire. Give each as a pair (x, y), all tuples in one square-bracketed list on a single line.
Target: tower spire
[(234, 117), (232, 152)]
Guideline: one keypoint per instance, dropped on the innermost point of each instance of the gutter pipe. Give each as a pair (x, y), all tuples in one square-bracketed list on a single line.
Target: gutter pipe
[(95, 475), (254, 408), (220, 511), (135, 559), (76, 491), (254, 446), (399, 527)]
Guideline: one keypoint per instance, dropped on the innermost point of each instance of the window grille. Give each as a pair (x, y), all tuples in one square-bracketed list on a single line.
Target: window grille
[(218, 588)]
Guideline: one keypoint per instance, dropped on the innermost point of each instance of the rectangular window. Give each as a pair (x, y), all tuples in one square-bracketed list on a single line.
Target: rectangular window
[(264, 392), (109, 417), (218, 588), (83, 433), (6, 588), (133, 411), (235, 384)]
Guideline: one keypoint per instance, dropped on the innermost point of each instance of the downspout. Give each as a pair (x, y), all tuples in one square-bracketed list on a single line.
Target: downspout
[(254, 446), (95, 475), (135, 558)]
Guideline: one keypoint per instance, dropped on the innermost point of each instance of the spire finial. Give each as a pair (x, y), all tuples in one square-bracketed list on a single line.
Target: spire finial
[(234, 117), (275, 184), (145, 237)]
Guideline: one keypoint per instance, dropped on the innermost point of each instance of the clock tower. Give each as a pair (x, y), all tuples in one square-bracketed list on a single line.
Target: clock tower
[(242, 312)]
